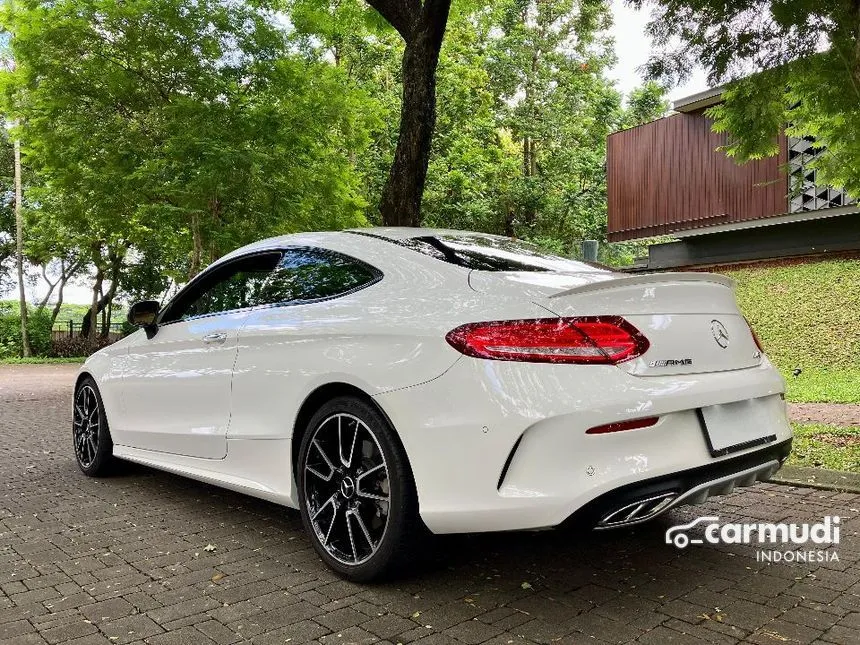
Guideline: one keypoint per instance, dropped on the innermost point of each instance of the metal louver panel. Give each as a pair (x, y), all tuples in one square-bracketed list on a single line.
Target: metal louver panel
[(806, 193)]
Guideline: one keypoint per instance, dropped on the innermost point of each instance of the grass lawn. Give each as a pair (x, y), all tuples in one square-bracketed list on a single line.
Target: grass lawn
[(806, 315), (824, 446), (824, 386), (39, 360)]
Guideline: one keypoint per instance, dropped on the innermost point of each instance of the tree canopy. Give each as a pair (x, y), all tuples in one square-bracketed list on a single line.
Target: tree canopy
[(794, 64), (160, 134)]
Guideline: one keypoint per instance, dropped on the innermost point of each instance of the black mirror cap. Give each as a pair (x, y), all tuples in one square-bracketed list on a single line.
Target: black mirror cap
[(144, 314)]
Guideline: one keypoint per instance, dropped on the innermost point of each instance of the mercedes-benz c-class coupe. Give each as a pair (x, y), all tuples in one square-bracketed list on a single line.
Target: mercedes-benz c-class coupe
[(390, 381)]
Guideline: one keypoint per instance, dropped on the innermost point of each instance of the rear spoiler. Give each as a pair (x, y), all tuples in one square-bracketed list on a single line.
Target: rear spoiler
[(647, 279)]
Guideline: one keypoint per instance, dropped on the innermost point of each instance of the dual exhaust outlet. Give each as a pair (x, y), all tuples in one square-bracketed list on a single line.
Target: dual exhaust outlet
[(649, 507)]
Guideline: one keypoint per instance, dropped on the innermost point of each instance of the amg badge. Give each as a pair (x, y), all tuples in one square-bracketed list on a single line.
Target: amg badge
[(671, 363)]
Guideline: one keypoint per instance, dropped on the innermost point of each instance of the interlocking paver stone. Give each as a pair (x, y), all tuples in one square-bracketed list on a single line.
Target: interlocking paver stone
[(121, 560)]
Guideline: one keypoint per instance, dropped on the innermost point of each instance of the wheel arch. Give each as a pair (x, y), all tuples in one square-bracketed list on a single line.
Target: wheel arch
[(320, 396), (81, 376)]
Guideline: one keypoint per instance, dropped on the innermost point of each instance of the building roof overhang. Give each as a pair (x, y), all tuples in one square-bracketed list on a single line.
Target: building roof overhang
[(789, 218), (699, 101)]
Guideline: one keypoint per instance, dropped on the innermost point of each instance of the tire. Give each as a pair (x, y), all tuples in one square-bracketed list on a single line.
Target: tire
[(350, 461), (92, 445)]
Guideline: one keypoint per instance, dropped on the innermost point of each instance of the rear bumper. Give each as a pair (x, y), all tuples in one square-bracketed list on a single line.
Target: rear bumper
[(507, 449), (648, 499)]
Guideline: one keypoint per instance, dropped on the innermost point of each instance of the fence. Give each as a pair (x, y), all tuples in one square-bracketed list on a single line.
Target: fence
[(70, 329)]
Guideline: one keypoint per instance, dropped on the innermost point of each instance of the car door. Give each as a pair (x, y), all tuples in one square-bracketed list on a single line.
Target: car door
[(316, 299), (176, 383)]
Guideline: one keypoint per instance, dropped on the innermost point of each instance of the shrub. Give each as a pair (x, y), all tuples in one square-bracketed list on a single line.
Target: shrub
[(76, 346), (38, 326)]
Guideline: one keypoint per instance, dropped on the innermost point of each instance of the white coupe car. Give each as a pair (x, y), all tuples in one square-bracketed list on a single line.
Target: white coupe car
[(387, 380)]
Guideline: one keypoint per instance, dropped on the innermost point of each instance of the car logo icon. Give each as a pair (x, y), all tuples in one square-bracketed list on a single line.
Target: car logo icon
[(720, 333), (677, 534)]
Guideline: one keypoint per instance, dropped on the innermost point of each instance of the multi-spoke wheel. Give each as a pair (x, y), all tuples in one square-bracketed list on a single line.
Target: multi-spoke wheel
[(357, 496), (90, 434)]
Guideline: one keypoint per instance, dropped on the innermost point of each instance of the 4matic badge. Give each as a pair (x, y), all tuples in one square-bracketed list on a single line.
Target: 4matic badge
[(671, 363)]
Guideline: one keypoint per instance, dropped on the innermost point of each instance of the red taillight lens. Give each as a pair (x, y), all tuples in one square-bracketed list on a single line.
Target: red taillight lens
[(620, 426), (604, 340), (755, 337)]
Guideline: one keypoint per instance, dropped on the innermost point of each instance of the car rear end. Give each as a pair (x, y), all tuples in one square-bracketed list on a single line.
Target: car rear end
[(624, 397)]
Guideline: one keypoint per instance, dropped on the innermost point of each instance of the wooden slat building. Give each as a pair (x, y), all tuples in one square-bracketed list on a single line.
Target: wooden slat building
[(670, 177)]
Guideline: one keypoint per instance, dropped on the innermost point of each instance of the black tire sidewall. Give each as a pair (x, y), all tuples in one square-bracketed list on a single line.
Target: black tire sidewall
[(104, 452), (402, 507)]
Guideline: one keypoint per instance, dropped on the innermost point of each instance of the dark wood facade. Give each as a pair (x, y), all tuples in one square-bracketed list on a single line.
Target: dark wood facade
[(669, 176)]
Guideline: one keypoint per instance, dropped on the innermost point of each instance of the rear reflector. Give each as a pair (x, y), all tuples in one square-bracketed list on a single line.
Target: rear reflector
[(623, 425), (602, 340)]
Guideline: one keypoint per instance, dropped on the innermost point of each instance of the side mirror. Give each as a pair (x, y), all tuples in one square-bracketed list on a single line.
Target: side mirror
[(144, 314)]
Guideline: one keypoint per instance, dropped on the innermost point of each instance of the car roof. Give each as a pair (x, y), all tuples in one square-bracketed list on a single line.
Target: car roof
[(388, 233), (397, 233)]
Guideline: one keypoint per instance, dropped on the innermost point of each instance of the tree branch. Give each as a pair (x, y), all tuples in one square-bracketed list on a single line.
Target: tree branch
[(401, 14)]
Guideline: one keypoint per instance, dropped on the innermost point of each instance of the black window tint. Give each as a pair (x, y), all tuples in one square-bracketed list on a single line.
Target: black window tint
[(494, 253), (312, 274), (236, 285)]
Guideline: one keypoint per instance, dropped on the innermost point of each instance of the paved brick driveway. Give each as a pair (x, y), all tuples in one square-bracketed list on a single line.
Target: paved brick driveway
[(123, 560)]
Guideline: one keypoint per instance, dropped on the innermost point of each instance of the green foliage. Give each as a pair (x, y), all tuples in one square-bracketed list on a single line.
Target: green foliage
[(164, 133), (515, 79), (645, 104), (68, 312), (557, 106), (160, 134), (805, 314), (822, 446), (38, 327), (816, 92)]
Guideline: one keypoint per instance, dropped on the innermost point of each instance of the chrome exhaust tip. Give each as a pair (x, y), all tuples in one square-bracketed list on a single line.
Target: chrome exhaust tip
[(638, 511)]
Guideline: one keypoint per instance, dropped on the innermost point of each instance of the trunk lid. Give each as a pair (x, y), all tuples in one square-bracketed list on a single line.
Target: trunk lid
[(691, 320)]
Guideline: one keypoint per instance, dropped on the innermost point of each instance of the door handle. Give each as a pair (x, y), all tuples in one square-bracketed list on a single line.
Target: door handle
[(214, 339)]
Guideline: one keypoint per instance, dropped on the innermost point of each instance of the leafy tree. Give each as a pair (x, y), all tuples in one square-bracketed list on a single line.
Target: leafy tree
[(353, 37), (645, 104), (549, 65), (795, 63), (422, 27), (7, 213), (473, 161), (177, 128), (476, 177)]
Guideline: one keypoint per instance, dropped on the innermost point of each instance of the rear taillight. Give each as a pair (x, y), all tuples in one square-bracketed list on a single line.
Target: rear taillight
[(756, 339), (604, 340), (621, 426)]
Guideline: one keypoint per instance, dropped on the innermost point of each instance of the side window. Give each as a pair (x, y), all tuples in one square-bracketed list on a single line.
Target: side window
[(313, 274), (236, 285)]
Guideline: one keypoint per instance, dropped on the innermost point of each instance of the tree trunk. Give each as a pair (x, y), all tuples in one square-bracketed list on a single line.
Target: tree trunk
[(88, 329), (856, 65), (66, 274), (59, 304), (89, 324), (509, 220), (19, 253), (197, 251), (401, 196), (51, 287), (104, 331)]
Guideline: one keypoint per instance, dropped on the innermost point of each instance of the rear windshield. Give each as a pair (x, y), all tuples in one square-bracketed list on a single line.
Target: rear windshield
[(494, 253)]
